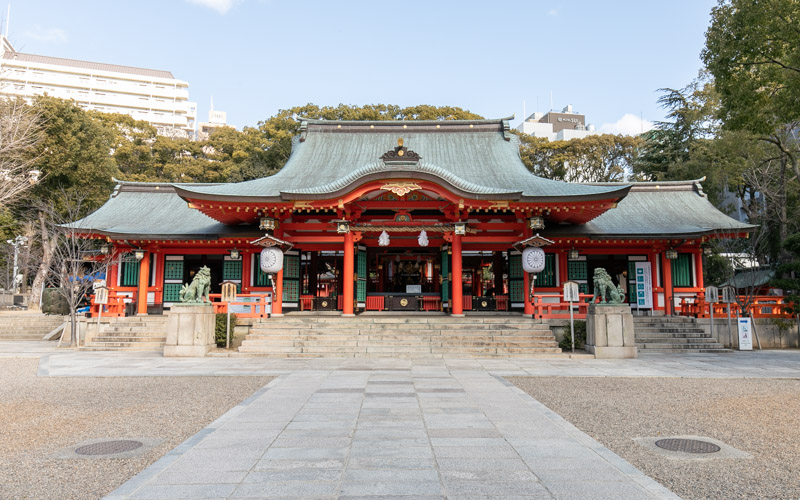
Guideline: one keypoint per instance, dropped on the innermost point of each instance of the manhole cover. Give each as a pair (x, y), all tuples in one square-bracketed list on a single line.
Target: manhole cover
[(109, 447), (687, 445)]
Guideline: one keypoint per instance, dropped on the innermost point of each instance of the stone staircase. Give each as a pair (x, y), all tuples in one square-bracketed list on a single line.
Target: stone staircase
[(28, 326), (135, 333), (673, 334), (399, 336)]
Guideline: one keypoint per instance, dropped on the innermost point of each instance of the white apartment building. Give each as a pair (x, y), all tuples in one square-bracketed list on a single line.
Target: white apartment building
[(555, 126), (151, 95), (216, 119)]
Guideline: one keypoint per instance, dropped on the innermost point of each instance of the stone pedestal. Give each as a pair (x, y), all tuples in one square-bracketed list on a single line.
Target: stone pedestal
[(190, 331), (609, 331)]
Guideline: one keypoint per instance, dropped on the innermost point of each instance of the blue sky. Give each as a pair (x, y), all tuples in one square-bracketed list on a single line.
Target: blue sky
[(606, 58)]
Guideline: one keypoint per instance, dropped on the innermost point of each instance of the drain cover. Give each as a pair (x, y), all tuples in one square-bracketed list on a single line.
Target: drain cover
[(687, 445), (109, 447)]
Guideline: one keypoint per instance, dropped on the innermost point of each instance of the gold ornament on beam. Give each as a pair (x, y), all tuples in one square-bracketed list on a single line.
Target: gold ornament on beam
[(401, 188)]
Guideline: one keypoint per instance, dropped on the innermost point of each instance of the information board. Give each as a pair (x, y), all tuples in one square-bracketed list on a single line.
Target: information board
[(644, 286), (745, 335), (571, 292)]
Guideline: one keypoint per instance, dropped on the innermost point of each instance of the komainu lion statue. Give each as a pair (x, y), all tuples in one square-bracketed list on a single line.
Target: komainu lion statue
[(198, 290), (605, 289)]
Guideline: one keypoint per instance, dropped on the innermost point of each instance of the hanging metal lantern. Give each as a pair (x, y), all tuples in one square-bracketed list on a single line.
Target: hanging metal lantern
[(423, 238), (383, 239), (271, 260)]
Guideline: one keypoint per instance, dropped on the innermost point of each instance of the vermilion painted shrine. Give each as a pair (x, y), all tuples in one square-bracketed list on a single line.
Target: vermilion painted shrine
[(350, 206)]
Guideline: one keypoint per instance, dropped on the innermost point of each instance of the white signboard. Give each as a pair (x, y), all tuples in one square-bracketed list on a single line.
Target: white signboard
[(101, 296), (413, 288), (644, 286), (728, 294), (571, 292), (712, 294), (745, 335)]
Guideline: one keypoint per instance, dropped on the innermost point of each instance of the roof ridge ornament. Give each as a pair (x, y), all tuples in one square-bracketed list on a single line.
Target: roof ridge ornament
[(400, 156)]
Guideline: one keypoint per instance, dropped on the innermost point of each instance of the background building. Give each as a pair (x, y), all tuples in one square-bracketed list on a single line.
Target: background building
[(555, 126), (216, 119), (154, 96)]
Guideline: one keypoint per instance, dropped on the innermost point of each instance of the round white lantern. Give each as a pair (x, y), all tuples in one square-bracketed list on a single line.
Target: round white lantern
[(533, 260), (271, 260)]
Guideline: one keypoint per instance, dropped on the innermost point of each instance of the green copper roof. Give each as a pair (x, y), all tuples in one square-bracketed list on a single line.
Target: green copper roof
[(651, 210), (478, 158), (657, 210), (154, 211)]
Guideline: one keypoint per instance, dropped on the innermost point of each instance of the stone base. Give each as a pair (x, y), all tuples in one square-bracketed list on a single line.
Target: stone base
[(609, 331), (612, 352), (190, 331)]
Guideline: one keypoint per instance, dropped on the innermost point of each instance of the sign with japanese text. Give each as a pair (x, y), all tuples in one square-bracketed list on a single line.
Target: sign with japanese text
[(644, 286), (745, 334)]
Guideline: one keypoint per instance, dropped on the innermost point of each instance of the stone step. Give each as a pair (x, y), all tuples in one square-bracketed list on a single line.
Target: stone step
[(656, 345), (133, 346), (154, 338), (659, 335), (687, 351)]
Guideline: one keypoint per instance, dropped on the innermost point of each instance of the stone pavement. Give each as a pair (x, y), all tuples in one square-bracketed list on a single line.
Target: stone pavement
[(358, 428), (391, 429)]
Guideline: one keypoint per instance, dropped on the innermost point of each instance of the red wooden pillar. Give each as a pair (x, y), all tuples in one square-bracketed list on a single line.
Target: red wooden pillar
[(653, 257), (247, 258), (698, 258), (563, 269), (457, 306), (158, 257), (144, 281), (666, 275), (526, 285), (347, 276), (277, 289)]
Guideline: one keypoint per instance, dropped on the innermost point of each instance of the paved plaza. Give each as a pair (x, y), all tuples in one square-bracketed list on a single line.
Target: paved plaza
[(353, 428)]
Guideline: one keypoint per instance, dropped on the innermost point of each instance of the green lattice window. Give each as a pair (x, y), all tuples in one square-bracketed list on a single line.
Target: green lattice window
[(291, 266), (445, 272), (576, 270), (516, 290), (232, 270), (682, 270), (515, 267), (548, 276), (361, 271), (172, 292), (173, 270), (291, 278), (262, 278), (129, 271)]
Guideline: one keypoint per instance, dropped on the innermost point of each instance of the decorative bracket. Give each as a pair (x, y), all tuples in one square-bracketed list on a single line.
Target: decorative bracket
[(400, 156)]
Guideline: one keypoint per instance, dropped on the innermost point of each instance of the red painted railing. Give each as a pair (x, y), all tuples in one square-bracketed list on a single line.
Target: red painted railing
[(114, 308), (431, 303), (546, 308), (259, 305), (761, 306)]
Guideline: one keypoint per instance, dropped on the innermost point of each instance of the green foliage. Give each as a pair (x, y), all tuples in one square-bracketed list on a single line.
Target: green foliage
[(54, 302), (717, 270), (789, 273), (74, 154), (753, 51), (220, 326), (596, 158), (580, 337)]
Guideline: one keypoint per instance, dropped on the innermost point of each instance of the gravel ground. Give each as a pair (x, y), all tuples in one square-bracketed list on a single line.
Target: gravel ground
[(41, 416), (758, 416)]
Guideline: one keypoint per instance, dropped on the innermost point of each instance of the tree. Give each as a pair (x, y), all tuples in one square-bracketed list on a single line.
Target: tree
[(74, 154), (753, 51), (20, 132), (789, 275), (76, 260), (595, 158)]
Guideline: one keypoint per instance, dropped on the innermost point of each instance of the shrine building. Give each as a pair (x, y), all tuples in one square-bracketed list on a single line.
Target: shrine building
[(407, 216)]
